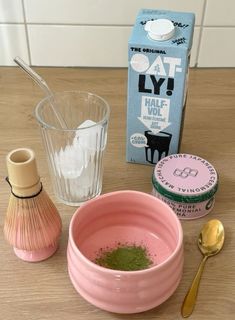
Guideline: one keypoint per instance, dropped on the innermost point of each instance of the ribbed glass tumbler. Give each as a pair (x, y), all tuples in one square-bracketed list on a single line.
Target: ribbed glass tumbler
[(74, 131)]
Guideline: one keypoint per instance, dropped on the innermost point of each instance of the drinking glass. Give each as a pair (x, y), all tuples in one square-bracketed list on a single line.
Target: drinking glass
[(74, 132)]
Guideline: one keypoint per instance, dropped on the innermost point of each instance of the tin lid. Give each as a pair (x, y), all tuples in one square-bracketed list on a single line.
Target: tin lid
[(160, 29), (185, 178)]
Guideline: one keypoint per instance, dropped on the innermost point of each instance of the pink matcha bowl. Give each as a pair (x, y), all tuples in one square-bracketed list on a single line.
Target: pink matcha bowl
[(128, 217)]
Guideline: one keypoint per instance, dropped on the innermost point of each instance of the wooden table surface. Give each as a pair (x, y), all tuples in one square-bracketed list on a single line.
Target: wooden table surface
[(43, 290)]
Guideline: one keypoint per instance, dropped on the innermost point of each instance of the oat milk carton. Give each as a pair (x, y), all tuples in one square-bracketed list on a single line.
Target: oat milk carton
[(159, 51)]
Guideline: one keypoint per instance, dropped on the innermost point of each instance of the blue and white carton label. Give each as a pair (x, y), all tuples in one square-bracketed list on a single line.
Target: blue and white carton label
[(159, 51)]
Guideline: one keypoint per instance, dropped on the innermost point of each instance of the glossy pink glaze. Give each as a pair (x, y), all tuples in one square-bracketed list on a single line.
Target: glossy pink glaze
[(36, 255), (133, 217)]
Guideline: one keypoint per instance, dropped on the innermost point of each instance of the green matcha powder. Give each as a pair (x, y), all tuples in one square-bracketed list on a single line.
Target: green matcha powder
[(125, 258)]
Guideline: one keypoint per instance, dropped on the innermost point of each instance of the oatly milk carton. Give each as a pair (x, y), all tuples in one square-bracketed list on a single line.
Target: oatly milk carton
[(159, 51)]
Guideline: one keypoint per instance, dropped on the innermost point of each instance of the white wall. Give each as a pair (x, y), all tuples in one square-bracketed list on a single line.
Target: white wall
[(95, 32)]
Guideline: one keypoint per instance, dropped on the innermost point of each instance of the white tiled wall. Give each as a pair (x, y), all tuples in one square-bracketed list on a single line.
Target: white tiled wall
[(11, 11), (101, 12), (96, 32), (57, 45), (13, 43), (220, 13)]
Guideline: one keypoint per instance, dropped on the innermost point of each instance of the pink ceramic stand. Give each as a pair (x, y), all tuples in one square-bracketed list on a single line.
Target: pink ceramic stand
[(35, 256)]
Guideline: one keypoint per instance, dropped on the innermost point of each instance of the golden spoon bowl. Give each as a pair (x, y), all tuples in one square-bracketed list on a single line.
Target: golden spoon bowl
[(210, 242)]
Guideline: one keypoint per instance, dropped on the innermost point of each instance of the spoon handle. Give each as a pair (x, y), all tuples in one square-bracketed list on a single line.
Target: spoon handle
[(191, 296)]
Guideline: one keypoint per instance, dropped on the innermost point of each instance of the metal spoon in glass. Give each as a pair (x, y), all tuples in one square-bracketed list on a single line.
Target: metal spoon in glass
[(43, 85), (210, 242)]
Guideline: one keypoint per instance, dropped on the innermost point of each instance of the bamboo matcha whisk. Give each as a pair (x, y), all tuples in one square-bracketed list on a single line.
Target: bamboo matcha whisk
[(33, 224)]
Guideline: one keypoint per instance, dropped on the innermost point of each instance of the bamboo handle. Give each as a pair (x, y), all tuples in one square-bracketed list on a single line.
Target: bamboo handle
[(22, 172), (191, 296)]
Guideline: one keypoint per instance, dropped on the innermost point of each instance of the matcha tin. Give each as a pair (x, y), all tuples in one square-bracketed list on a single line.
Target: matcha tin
[(187, 183)]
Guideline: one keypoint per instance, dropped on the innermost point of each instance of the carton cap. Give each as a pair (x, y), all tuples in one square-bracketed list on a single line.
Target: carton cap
[(160, 29)]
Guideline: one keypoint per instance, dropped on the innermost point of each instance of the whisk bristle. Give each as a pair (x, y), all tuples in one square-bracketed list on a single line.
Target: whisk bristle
[(32, 224)]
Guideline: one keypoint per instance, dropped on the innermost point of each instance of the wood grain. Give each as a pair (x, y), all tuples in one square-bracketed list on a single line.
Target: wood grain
[(43, 290)]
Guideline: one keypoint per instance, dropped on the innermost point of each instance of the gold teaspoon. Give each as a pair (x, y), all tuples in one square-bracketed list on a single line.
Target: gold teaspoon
[(210, 242)]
